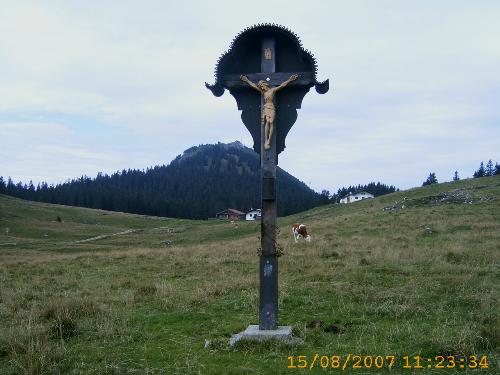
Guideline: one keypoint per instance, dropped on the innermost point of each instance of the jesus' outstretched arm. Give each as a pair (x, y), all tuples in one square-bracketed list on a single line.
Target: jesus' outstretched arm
[(292, 78), (250, 83)]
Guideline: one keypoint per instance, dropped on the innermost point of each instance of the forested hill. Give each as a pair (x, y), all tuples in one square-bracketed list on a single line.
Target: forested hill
[(197, 184)]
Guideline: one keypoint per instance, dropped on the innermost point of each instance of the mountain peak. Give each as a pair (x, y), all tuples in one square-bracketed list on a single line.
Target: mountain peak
[(236, 144), (195, 150), (204, 180)]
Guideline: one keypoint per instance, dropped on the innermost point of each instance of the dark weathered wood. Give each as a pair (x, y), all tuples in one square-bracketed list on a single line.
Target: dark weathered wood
[(268, 311), (233, 81), (247, 57), (268, 188), (268, 293), (244, 58)]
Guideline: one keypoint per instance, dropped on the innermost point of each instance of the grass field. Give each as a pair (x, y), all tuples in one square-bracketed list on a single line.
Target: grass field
[(420, 278)]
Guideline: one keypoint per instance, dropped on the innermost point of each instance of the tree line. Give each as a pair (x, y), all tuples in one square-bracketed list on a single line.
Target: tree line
[(482, 171), (202, 181), (197, 184), (375, 188)]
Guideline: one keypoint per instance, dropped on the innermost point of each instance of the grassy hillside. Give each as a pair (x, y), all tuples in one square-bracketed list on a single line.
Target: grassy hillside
[(418, 278)]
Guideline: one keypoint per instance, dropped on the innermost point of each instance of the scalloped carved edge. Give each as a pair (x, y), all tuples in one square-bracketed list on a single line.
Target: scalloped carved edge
[(217, 88)]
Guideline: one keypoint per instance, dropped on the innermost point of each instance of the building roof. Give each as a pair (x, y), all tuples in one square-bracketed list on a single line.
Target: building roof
[(353, 194), (231, 210)]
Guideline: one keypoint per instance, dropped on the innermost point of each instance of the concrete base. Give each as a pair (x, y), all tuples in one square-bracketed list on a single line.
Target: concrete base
[(254, 333)]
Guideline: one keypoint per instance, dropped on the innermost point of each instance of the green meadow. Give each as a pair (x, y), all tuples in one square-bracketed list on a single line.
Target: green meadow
[(87, 291)]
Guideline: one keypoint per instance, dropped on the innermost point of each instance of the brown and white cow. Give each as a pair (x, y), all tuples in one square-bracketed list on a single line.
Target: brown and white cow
[(300, 231)]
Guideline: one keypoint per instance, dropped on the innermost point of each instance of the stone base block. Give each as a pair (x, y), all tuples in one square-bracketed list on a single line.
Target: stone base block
[(254, 333)]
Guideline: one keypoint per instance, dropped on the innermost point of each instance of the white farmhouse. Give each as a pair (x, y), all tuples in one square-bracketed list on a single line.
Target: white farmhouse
[(253, 215), (355, 197)]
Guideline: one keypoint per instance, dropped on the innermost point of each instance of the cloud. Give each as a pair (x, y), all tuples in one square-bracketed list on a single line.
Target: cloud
[(99, 86), (50, 152)]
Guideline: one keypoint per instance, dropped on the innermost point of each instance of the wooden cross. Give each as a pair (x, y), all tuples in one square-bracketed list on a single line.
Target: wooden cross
[(277, 65), (268, 273)]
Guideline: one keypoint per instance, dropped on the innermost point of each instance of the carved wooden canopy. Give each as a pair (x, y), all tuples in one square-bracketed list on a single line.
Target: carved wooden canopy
[(245, 56)]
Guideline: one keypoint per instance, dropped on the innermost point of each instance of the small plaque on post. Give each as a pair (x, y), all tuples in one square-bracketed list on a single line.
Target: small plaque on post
[(269, 188)]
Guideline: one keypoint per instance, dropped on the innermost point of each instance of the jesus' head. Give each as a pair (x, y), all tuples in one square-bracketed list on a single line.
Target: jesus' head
[(263, 85)]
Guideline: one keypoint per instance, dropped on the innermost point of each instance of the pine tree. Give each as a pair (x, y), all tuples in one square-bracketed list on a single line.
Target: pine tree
[(3, 188), (490, 169), (431, 179), (325, 196), (455, 176), (497, 169), (30, 193), (10, 187), (480, 172)]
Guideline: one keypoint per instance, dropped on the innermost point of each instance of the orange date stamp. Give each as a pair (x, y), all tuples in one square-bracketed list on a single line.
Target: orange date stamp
[(353, 361)]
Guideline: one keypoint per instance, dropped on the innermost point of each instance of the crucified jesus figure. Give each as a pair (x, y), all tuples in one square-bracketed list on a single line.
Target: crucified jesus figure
[(268, 112)]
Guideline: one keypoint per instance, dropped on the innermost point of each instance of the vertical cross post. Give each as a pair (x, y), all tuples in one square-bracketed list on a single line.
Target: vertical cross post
[(236, 71), (268, 269)]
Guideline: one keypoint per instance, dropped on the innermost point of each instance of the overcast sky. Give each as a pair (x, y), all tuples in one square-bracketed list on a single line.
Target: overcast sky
[(104, 85)]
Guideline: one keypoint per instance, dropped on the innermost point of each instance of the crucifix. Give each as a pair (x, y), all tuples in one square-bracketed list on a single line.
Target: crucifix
[(268, 73), (268, 110)]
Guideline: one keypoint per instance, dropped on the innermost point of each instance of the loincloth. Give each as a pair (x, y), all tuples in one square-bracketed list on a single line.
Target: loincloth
[(268, 110)]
